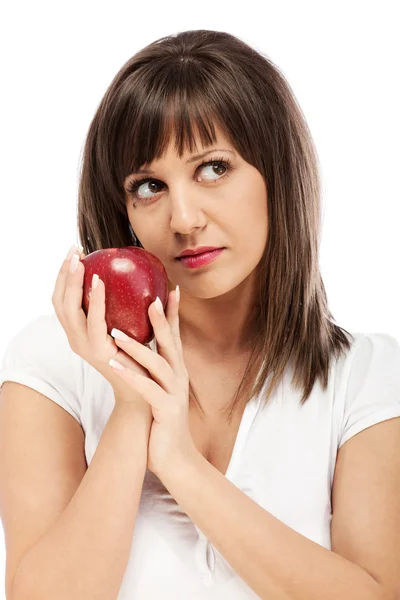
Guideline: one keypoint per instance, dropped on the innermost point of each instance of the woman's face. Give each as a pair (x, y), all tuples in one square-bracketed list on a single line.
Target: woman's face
[(186, 204)]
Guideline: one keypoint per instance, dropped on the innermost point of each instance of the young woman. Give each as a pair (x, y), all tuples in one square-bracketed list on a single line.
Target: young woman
[(252, 450)]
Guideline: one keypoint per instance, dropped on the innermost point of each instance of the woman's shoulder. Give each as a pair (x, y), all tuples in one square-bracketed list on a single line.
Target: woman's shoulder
[(371, 354), (367, 381), (39, 356)]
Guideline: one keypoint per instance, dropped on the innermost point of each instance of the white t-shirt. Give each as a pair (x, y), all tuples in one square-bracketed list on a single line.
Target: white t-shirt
[(284, 455)]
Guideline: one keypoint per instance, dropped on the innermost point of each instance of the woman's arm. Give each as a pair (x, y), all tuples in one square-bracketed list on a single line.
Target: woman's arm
[(279, 563), (85, 554)]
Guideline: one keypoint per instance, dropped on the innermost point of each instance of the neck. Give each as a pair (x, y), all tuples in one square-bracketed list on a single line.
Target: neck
[(220, 326)]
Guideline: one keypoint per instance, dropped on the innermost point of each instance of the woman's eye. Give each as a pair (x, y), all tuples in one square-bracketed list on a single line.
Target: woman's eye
[(213, 166), (143, 190)]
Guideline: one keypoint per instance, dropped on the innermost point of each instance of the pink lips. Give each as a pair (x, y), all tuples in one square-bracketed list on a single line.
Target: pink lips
[(200, 260)]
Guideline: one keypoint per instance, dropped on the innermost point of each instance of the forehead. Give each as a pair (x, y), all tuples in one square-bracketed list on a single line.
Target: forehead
[(221, 142)]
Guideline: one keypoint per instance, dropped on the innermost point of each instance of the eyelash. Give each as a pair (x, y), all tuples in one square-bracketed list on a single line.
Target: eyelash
[(134, 184)]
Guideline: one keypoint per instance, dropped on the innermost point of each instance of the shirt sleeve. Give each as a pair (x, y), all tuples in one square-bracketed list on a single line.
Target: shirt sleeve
[(40, 357), (373, 390)]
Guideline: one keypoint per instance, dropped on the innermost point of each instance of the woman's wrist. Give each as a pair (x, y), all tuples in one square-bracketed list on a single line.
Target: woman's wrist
[(132, 406)]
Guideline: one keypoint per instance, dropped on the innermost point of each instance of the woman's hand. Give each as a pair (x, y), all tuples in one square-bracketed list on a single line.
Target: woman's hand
[(88, 336), (166, 392)]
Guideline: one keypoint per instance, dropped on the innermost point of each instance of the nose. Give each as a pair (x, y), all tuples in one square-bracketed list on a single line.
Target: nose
[(186, 210)]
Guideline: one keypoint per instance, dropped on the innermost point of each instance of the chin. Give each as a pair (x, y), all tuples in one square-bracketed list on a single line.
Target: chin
[(216, 287)]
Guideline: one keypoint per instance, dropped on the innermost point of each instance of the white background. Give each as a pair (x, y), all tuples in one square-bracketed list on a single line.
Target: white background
[(342, 62)]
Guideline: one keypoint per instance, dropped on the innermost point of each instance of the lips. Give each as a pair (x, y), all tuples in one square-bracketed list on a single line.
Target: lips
[(200, 260), (198, 251)]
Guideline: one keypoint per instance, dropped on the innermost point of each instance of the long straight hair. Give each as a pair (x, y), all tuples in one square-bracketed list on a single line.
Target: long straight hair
[(183, 85)]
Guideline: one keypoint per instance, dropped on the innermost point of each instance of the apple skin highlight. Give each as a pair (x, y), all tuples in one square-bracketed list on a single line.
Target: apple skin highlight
[(133, 278)]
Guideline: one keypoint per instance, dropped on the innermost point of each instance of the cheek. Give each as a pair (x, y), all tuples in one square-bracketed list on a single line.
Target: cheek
[(145, 234), (250, 220)]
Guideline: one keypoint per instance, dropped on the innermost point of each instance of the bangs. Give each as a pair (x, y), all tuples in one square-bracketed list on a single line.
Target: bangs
[(190, 113)]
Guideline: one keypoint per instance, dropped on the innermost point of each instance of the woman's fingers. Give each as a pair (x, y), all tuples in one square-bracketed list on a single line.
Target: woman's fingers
[(96, 323), (98, 335), (66, 301), (153, 362), (73, 313), (61, 281), (167, 363), (173, 318), (87, 334), (166, 345)]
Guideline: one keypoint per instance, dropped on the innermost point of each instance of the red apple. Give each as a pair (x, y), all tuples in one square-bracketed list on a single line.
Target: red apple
[(133, 278)]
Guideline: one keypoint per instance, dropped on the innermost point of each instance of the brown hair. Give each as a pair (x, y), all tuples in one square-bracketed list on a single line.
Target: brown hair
[(192, 80)]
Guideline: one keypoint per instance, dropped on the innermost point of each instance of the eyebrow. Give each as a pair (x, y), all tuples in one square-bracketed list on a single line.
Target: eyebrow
[(190, 160)]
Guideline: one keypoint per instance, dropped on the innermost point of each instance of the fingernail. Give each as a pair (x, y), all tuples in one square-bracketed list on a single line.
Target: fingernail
[(177, 293), (115, 364), (159, 306), (95, 280), (71, 252), (120, 335), (73, 265)]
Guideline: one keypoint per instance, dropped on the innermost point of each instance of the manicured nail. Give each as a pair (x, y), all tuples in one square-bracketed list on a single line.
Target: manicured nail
[(115, 364), (95, 280), (71, 252), (120, 335), (159, 306), (177, 293), (73, 265)]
